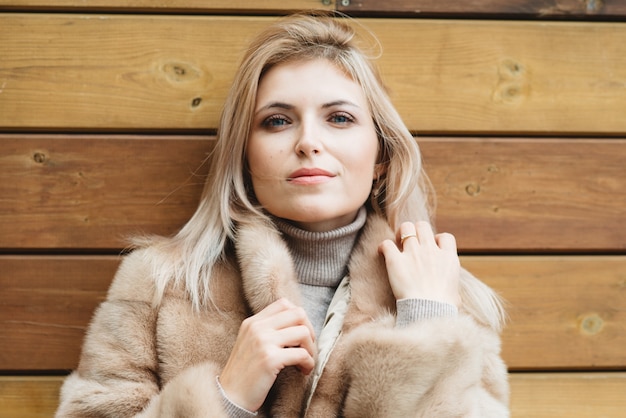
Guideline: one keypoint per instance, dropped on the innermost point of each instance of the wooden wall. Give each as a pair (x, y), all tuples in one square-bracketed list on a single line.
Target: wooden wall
[(108, 109)]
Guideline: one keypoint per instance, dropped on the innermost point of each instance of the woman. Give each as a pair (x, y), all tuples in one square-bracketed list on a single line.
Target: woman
[(314, 285)]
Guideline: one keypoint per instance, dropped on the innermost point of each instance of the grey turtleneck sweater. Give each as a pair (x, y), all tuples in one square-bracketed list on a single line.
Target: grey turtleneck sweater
[(321, 260)]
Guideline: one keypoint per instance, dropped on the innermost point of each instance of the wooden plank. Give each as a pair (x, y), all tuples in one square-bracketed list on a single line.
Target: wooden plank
[(505, 76), (170, 6), (47, 303), (530, 194), (495, 194), (565, 312), (126, 72), (94, 191), (487, 8), (572, 395), (154, 72), (29, 396), (422, 8), (533, 395)]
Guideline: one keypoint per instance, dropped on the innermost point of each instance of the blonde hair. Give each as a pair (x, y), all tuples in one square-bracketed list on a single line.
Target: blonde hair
[(401, 193)]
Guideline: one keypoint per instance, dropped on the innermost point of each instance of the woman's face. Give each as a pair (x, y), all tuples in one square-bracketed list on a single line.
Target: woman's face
[(313, 145)]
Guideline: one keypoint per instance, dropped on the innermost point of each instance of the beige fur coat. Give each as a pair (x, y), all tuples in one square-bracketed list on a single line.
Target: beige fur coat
[(146, 361)]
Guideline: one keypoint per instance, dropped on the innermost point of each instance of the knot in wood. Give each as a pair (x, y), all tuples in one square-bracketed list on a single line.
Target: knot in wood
[(493, 168), (181, 72), (512, 85), (196, 101), (591, 324), (510, 69), (39, 157), (472, 189)]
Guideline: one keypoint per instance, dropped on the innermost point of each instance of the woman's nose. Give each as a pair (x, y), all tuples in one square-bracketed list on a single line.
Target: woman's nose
[(309, 141)]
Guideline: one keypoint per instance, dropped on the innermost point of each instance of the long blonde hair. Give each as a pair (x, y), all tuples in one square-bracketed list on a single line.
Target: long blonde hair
[(401, 193)]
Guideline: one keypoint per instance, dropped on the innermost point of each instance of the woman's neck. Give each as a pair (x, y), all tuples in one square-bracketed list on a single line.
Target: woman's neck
[(321, 258)]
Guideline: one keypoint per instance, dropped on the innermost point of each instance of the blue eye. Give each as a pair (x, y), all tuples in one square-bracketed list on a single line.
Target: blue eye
[(275, 121), (341, 118)]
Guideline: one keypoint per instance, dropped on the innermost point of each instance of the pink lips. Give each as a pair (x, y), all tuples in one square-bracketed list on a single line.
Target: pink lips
[(310, 176)]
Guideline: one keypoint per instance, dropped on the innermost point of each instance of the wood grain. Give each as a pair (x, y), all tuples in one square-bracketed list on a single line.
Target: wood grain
[(517, 194), (128, 72), (109, 71), (95, 191), (519, 9), (170, 6), (565, 312), (572, 395), (29, 396), (79, 192), (475, 8), (47, 303), (535, 395)]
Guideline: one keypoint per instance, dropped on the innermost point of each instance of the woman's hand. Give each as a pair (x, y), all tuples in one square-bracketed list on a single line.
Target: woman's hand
[(278, 336), (422, 265)]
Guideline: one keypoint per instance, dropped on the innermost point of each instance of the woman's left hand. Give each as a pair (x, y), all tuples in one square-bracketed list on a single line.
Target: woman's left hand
[(422, 265)]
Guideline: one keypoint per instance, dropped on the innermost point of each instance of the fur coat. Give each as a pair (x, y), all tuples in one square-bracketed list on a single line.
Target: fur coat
[(162, 361)]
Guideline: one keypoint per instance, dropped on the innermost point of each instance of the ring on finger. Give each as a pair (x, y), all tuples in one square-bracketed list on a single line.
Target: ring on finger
[(407, 236)]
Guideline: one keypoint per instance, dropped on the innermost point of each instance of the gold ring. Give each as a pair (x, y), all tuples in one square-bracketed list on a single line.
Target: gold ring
[(403, 237)]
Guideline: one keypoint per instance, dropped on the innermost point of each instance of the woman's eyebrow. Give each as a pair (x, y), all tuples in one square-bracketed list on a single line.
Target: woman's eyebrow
[(275, 105), (339, 103), (287, 106)]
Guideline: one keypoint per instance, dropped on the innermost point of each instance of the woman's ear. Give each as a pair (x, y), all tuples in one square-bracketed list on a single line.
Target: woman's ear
[(380, 170)]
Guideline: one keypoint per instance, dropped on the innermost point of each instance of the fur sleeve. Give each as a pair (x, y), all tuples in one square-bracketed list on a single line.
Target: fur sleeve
[(117, 374), (436, 367)]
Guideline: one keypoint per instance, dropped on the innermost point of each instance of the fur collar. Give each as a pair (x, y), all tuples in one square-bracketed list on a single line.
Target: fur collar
[(268, 273)]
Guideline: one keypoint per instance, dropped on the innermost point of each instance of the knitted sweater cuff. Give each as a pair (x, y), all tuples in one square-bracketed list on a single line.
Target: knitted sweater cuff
[(414, 310), (232, 410)]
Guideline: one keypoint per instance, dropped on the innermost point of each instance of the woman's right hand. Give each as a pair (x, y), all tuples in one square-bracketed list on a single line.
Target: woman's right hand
[(280, 335)]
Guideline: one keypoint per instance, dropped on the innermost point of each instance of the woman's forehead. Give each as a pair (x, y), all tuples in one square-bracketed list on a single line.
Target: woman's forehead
[(318, 79)]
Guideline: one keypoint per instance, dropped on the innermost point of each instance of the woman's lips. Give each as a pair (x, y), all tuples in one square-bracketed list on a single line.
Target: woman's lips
[(310, 176)]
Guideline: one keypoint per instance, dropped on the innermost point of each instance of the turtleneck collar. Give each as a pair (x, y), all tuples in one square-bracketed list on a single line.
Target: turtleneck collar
[(321, 258)]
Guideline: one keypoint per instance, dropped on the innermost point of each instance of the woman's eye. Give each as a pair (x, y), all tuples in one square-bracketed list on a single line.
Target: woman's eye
[(341, 118), (275, 121)]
